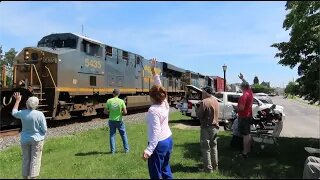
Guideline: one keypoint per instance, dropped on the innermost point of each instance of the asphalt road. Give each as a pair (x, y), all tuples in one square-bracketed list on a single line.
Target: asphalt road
[(302, 120)]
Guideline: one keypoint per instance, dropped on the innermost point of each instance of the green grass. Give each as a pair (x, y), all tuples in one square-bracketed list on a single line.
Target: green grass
[(296, 98), (84, 155)]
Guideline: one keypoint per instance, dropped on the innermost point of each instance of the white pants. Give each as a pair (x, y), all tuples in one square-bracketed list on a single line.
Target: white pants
[(311, 168), (31, 152)]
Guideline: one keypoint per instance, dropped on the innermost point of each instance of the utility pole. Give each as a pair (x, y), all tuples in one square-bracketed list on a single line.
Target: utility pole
[(224, 67)]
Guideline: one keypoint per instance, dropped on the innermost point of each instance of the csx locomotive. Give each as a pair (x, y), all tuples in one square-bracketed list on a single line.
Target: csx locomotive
[(73, 75)]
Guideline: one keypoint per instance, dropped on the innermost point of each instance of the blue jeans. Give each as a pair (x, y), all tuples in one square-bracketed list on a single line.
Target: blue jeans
[(114, 125), (158, 162)]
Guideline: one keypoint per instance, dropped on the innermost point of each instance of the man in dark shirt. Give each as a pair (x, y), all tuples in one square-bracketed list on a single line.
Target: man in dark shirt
[(208, 112), (244, 110)]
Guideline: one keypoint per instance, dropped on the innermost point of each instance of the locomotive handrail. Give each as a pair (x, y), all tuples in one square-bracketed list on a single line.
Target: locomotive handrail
[(4, 101), (51, 76), (38, 79)]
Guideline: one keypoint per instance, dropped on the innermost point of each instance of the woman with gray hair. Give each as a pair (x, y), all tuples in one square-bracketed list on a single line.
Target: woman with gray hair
[(34, 128)]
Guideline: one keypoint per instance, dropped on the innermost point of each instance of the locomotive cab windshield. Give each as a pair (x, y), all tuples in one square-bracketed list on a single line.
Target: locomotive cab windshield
[(66, 40)]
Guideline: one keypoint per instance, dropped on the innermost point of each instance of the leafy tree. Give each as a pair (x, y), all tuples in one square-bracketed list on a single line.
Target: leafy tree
[(267, 84), (255, 80), (1, 53), (8, 57), (7, 60), (302, 50), (292, 88), (258, 88)]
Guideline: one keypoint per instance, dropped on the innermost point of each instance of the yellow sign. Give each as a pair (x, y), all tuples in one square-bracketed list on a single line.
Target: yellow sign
[(91, 63)]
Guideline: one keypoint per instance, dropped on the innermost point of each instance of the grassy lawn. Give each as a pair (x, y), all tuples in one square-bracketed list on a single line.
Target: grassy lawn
[(85, 155), (296, 98)]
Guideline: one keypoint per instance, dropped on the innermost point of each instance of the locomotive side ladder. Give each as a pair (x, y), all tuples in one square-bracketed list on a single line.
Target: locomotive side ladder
[(38, 91)]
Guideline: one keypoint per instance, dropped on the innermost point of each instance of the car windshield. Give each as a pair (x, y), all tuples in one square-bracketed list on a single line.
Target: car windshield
[(265, 101)]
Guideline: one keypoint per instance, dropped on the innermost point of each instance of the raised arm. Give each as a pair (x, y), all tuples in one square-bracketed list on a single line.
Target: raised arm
[(17, 96), (156, 77), (243, 98), (153, 64), (242, 78), (15, 111)]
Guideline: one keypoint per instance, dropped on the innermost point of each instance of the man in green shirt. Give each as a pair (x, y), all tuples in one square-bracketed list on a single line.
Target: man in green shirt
[(116, 107)]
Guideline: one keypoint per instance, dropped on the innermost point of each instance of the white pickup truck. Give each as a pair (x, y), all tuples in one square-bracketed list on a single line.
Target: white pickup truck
[(226, 100), (233, 98), (188, 106)]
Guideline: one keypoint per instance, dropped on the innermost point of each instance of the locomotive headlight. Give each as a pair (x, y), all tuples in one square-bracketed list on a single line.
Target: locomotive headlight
[(26, 55)]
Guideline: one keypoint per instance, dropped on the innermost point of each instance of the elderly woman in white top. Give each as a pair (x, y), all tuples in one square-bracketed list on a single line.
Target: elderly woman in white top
[(160, 141), (34, 128)]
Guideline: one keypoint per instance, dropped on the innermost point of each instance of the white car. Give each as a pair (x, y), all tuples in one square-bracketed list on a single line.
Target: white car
[(233, 98), (265, 99), (260, 94)]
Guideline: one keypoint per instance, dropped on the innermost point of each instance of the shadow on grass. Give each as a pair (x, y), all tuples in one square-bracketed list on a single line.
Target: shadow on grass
[(188, 122), (91, 153), (286, 161), (181, 168)]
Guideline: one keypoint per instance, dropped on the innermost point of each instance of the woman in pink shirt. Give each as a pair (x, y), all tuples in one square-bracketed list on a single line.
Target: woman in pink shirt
[(160, 141)]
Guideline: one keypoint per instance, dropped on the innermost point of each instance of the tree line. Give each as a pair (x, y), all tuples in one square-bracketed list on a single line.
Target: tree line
[(263, 87), (302, 50), (7, 60)]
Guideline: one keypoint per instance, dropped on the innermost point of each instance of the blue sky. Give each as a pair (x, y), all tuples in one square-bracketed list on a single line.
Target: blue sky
[(198, 36)]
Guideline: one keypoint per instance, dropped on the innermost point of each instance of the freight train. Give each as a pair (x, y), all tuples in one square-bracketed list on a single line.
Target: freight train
[(73, 75)]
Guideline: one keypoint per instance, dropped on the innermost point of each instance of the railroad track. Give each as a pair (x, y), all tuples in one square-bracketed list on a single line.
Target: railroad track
[(9, 132)]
